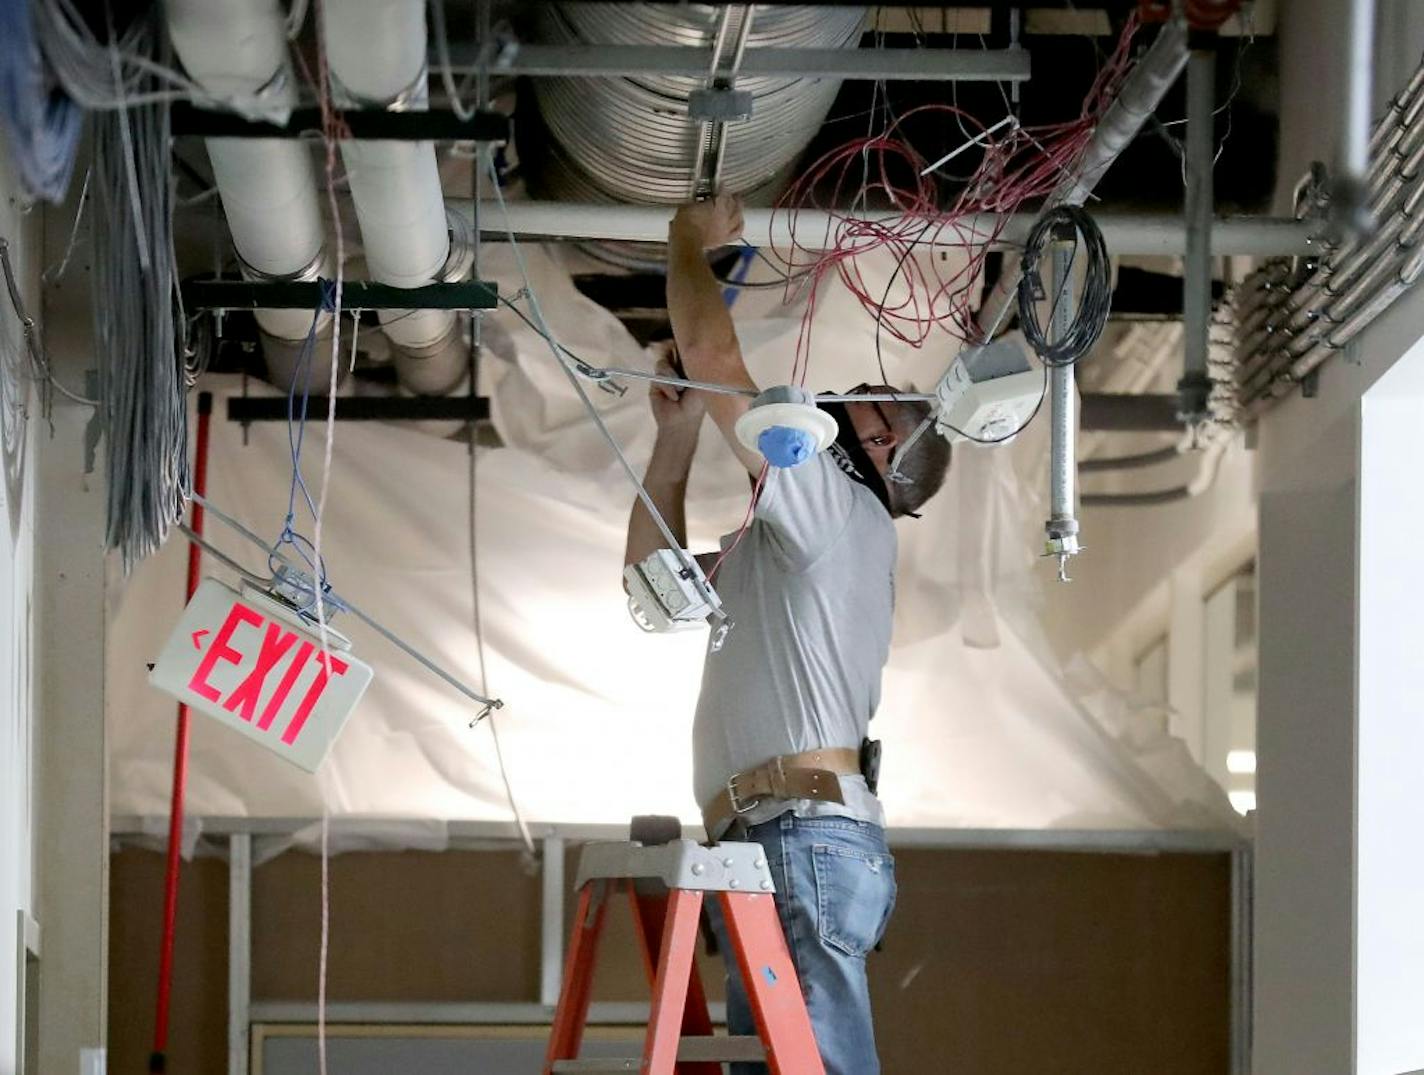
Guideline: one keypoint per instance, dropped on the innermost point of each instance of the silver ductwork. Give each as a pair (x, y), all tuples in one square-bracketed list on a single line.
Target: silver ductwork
[(631, 139)]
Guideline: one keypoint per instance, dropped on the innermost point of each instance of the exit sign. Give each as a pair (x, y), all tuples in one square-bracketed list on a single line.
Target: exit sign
[(254, 665)]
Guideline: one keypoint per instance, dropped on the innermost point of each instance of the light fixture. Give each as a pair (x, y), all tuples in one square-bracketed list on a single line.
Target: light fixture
[(1241, 761)]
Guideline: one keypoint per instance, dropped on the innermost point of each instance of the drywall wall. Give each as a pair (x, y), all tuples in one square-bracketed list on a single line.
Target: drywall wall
[(1389, 739), (71, 796), (17, 569), (996, 962)]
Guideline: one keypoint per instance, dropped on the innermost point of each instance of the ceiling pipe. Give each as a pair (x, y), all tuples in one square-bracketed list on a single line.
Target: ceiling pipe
[(1352, 282), (267, 185), (1194, 389), (376, 51), (1131, 462), (1348, 199), (1143, 89), (812, 229)]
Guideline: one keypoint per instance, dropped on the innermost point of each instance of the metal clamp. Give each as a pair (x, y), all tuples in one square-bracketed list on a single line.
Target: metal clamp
[(718, 99)]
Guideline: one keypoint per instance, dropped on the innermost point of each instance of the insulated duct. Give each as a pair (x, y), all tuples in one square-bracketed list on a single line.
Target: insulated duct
[(268, 185), (376, 50), (631, 139)]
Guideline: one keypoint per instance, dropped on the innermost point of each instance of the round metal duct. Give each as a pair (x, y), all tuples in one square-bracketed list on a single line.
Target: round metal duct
[(630, 139)]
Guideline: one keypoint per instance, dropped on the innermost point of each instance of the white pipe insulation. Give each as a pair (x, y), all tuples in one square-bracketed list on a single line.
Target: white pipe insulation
[(376, 50), (268, 185)]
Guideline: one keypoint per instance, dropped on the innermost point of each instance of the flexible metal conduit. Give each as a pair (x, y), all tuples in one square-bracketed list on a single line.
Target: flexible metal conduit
[(1350, 284), (630, 139)]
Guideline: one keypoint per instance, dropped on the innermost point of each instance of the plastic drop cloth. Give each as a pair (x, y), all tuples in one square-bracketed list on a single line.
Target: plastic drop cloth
[(981, 728)]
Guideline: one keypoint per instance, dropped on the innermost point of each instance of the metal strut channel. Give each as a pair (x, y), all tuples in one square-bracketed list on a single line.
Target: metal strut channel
[(414, 126), (529, 60), (718, 104)]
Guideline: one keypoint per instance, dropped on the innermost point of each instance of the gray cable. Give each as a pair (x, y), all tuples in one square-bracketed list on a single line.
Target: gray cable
[(40, 370), (85, 66), (137, 317)]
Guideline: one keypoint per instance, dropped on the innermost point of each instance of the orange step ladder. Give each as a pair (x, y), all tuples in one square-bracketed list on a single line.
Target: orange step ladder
[(666, 881)]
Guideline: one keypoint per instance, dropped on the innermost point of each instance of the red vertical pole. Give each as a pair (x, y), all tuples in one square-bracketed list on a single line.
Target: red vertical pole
[(157, 1061)]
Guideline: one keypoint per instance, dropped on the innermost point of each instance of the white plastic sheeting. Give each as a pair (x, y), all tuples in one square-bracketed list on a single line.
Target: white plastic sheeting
[(981, 728)]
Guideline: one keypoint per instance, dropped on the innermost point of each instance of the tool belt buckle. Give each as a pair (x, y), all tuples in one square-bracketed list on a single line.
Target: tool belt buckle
[(739, 806)]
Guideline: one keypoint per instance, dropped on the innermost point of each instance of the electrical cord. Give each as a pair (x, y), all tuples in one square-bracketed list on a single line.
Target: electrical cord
[(1094, 303), (40, 370)]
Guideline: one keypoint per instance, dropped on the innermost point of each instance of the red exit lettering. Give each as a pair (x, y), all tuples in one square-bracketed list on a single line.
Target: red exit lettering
[(274, 645)]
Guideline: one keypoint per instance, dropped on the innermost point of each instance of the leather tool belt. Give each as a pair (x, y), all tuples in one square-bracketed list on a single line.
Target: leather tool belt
[(812, 775)]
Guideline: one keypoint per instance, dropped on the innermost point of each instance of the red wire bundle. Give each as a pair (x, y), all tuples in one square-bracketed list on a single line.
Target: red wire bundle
[(1023, 164)]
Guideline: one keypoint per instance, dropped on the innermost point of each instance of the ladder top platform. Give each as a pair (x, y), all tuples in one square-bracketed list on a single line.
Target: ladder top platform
[(725, 867)]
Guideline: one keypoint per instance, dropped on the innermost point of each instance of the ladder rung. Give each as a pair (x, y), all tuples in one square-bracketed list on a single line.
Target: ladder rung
[(721, 1047), (715, 1049)]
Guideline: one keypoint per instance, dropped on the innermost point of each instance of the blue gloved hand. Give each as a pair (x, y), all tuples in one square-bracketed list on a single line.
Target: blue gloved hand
[(784, 446)]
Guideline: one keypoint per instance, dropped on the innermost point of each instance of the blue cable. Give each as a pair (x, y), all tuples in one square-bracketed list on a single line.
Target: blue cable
[(738, 274), (44, 124)]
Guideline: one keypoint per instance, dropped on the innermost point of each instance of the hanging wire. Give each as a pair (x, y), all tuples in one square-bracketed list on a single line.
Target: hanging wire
[(137, 310), (1095, 300), (39, 369), (121, 71)]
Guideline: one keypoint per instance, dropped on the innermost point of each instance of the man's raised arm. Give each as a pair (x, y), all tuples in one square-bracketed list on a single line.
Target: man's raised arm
[(701, 325), (678, 416)]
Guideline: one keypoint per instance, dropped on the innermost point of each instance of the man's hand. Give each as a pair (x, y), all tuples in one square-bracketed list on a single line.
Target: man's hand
[(675, 409), (715, 222)]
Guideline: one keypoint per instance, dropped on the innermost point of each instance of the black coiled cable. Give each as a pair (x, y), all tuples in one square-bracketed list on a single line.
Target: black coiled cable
[(1065, 222)]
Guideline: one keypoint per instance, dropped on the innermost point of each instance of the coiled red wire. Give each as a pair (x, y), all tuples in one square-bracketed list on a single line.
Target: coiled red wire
[(1019, 165)]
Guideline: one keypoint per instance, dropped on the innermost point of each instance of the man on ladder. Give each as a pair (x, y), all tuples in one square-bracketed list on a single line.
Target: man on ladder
[(780, 753)]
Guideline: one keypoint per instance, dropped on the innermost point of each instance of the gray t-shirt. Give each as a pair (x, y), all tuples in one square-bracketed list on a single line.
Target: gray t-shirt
[(810, 592)]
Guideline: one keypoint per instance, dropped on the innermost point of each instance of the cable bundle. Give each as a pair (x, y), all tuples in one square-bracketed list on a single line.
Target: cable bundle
[(1062, 222), (119, 71), (1021, 165), (43, 124), (136, 319)]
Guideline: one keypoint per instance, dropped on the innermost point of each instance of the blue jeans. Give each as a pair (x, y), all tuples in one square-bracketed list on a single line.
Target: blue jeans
[(835, 890)]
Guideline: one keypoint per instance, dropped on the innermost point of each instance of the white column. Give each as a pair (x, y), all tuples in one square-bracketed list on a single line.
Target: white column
[(1305, 787), (71, 810), (1389, 741), (1185, 676), (1338, 884)]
